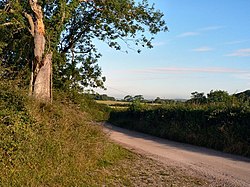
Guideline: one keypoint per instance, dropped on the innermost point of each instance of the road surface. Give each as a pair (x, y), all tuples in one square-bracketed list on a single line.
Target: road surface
[(220, 169)]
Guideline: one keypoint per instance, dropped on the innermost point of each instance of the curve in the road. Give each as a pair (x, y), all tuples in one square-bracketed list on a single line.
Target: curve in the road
[(217, 166)]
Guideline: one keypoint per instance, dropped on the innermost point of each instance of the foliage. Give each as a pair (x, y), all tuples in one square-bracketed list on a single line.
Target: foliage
[(43, 144), (84, 102), (128, 98), (243, 96), (138, 98), (71, 27), (165, 101), (218, 96), (158, 100), (135, 106), (103, 97), (214, 97), (197, 98), (222, 126)]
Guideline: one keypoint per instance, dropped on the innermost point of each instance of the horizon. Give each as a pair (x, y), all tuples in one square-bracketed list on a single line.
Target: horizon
[(151, 99), (207, 48)]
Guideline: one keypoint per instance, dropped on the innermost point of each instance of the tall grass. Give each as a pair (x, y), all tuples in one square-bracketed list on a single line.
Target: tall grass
[(53, 145)]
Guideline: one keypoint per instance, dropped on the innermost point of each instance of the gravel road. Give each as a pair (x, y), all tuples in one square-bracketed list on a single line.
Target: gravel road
[(220, 169)]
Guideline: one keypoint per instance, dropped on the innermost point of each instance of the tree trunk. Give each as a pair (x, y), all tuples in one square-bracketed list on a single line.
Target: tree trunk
[(42, 71), (42, 83)]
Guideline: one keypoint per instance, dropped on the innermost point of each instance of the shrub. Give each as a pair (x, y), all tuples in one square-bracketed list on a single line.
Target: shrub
[(220, 127)]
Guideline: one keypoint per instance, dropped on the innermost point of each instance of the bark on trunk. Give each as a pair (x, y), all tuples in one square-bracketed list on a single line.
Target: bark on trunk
[(42, 71), (42, 84)]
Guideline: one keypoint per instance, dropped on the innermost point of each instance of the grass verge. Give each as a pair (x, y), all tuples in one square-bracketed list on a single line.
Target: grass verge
[(58, 145)]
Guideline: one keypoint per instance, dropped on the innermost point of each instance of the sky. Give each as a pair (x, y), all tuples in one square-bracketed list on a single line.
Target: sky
[(206, 48)]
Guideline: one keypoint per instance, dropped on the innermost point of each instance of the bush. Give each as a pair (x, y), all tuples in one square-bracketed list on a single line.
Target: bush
[(214, 126)]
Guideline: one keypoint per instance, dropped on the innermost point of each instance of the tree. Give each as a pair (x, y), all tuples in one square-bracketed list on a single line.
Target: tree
[(103, 97), (243, 96), (197, 98), (218, 96), (128, 98), (36, 33), (138, 98), (158, 100)]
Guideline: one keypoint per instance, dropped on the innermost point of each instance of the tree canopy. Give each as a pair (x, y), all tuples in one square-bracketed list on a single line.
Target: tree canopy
[(68, 29), (197, 98), (218, 96)]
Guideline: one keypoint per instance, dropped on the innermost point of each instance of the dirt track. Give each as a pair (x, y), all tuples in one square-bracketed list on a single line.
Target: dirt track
[(219, 168)]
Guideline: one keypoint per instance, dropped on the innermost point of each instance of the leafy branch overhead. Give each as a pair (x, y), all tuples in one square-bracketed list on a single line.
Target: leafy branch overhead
[(70, 28)]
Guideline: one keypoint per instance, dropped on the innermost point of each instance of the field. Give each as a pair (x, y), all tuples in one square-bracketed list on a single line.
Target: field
[(110, 103), (124, 105), (117, 105)]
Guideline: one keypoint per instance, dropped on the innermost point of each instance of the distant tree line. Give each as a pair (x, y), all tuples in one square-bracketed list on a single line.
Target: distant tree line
[(213, 97), (218, 96), (102, 97), (130, 98)]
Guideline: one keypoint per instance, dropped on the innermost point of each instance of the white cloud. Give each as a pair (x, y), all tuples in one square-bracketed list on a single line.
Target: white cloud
[(236, 42), (199, 31), (203, 49), (178, 70), (211, 28), (240, 53), (187, 34)]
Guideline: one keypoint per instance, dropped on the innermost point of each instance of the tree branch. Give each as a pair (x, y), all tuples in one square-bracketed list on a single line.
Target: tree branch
[(74, 40), (6, 24), (31, 22)]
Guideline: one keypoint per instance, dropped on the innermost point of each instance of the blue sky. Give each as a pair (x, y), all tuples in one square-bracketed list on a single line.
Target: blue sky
[(207, 48)]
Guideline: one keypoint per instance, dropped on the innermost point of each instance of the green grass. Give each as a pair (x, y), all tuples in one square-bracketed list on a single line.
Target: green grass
[(59, 145), (55, 145)]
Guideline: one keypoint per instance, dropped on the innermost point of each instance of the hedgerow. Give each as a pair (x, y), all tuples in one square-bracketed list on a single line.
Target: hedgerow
[(217, 126)]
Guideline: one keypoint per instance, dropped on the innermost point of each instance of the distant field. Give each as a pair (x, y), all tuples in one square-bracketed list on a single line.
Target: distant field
[(113, 102), (122, 104)]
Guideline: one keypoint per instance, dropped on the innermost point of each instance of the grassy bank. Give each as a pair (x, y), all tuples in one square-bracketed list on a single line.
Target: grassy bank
[(225, 128), (59, 145), (54, 145)]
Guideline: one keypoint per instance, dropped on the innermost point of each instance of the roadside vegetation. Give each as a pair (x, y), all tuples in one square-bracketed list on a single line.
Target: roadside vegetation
[(59, 144), (54, 145), (219, 121)]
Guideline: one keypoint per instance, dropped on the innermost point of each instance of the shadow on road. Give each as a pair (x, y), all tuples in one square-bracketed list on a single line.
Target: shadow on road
[(202, 150)]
